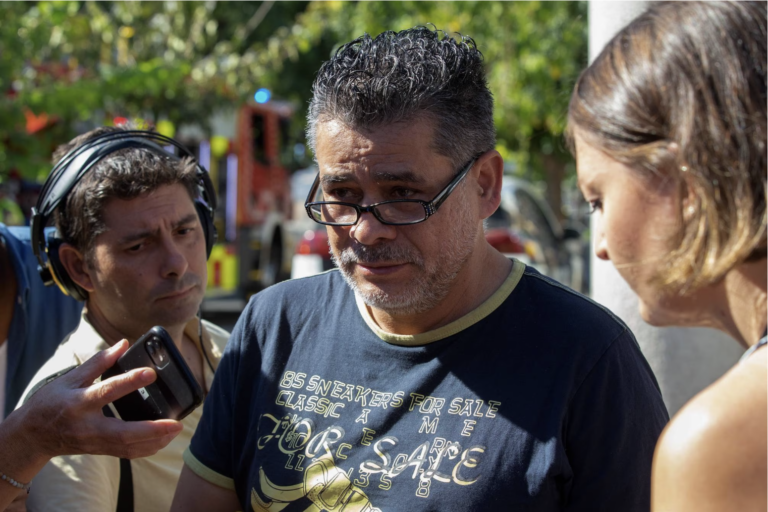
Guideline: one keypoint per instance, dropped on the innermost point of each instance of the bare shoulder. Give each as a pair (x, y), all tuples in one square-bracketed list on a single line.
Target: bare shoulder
[(713, 454)]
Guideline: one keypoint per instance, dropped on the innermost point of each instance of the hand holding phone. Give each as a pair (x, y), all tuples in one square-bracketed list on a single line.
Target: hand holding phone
[(174, 394)]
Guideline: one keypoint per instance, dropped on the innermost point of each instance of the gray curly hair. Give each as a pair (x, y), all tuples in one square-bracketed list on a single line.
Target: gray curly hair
[(399, 76)]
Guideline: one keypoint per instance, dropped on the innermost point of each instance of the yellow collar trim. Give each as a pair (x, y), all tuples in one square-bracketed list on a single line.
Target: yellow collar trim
[(458, 325)]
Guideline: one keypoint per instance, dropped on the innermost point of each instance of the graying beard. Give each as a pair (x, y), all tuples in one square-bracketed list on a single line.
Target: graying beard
[(429, 289)]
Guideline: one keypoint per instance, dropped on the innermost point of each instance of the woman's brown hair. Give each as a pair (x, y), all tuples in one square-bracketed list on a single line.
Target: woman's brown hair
[(681, 93)]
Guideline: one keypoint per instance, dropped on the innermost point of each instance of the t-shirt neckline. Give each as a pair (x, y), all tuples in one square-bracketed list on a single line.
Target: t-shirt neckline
[(458, 325)]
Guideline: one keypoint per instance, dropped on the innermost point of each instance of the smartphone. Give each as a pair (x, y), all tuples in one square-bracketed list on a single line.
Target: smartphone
[(174, 394)]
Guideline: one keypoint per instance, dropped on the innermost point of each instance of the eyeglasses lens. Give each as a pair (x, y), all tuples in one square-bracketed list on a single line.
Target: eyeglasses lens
[(336, 213), (395, 213), (401, 213), (333, 213)]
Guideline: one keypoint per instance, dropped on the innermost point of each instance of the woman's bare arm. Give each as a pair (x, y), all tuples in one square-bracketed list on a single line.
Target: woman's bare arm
[(713, 455)]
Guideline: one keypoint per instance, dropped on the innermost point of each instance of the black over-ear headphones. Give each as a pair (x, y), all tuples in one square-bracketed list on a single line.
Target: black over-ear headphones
[(73, 166)]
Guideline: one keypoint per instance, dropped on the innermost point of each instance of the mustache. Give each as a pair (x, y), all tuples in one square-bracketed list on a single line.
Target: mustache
[(169, 287), (381, 253)]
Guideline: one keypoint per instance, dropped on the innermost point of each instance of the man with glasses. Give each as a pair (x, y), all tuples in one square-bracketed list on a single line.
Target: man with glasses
[(428, 372)]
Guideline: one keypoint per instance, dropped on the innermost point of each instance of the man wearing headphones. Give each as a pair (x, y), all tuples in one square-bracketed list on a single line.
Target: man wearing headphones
[(134, 229)]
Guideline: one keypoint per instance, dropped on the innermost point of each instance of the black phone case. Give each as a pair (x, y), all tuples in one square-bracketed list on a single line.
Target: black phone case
[(174, 394)]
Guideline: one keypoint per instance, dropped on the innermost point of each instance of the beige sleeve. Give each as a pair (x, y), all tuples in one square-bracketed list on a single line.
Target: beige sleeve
[(76, 483)]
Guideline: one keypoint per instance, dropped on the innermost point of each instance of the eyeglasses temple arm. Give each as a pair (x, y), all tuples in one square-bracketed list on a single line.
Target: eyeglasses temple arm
[(312, 190), (442, 196)]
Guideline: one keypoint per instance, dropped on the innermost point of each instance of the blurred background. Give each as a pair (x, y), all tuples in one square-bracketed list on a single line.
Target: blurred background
[(232, 81)]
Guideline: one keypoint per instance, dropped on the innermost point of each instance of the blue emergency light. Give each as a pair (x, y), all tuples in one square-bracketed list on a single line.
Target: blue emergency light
[(262, 96)]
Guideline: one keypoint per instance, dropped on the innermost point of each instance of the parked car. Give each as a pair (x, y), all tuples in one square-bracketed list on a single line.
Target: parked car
[(312, 254)]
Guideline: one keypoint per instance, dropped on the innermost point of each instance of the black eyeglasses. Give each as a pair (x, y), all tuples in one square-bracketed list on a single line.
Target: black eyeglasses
[(398, 212)]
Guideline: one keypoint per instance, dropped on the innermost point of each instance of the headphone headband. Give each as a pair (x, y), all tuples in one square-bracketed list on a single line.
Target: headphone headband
[(77, 162), (87, 155)]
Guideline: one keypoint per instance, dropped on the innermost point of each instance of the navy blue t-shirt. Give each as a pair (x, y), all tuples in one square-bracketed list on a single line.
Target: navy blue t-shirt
[(539, 399)]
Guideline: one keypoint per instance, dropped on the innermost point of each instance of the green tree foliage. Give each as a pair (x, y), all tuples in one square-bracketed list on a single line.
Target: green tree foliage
[(533, 52), (91, 61), (182, 60), (18, 150)]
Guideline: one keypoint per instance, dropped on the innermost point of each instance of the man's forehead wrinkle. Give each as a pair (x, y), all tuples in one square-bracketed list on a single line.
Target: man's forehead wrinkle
[(406, 175), (382, 154), (190, 217), (339, 171), (364, 141), (136, 235), (146, 231)]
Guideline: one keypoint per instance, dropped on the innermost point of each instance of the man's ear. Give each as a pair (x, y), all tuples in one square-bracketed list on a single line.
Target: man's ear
[(489, 170), (76, 266)]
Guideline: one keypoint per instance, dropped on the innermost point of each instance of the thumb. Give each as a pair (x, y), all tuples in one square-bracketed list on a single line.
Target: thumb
[(92, 369)]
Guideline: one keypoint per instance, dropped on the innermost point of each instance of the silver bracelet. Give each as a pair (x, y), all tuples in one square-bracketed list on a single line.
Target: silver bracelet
[(15, 483)]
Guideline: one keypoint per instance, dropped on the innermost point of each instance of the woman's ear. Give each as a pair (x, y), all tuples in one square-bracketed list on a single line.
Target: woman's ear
[(76, 266), (689, 200)]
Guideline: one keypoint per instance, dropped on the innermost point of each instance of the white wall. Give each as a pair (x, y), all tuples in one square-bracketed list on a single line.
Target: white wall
[(685, 360)]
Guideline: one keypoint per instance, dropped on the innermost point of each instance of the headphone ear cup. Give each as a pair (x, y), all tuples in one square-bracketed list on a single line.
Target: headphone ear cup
[(209, 230), (59, 273)]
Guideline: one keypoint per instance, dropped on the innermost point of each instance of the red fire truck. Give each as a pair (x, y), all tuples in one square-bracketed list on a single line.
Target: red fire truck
[(254, 203)]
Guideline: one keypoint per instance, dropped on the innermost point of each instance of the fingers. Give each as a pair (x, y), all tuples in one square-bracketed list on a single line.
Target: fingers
[(145, 448), (118, 386), (134, 439), (86, 373), (130, 432)]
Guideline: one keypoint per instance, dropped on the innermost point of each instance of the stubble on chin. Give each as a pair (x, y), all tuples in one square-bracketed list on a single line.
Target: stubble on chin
[(433, 278), (180, 311)]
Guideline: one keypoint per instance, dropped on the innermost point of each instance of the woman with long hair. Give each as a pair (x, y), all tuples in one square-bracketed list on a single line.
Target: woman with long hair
[(668, 126)]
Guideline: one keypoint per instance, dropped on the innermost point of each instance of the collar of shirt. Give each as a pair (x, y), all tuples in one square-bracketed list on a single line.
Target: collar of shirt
[(86, 343)]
